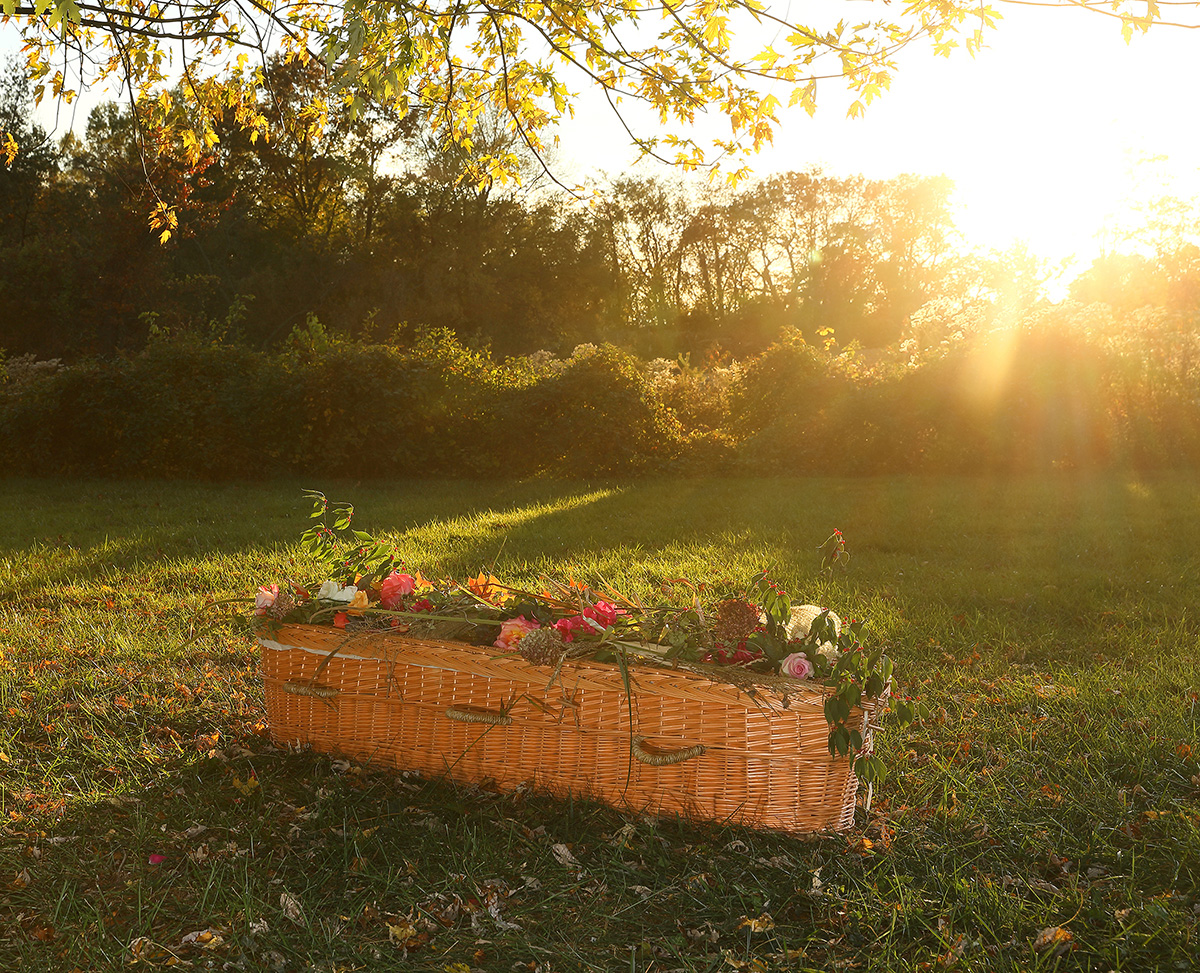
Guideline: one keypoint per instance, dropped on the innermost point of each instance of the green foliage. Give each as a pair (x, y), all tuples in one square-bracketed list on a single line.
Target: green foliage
[(833, 552), (453, 64), (598, 414), (791, 377), (1068, 389), (345, 552)]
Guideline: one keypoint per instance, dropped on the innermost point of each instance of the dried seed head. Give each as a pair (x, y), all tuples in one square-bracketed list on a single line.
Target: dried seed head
[(736, 620), (542, 647), (284, 603)]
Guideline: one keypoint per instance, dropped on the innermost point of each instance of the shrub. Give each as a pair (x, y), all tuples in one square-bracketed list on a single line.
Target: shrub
[(699, 397), (1019, 400), (176, 409), (599, 414), (778, 408)]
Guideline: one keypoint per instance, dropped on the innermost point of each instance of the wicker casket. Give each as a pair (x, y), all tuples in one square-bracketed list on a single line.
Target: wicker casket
[(680, 743)]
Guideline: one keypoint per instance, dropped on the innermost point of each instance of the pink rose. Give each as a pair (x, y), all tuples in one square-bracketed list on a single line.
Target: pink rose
[(567, 627), (265, 598), (603, 612), (595, 618), (512, 631), (394, 587), (797, 666)]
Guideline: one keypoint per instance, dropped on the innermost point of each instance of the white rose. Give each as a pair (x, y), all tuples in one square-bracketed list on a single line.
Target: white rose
[(800, 624), (332, 591)]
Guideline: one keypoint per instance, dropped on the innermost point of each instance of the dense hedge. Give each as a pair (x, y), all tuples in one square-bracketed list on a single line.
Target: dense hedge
[(194, 409), (1045, 396)]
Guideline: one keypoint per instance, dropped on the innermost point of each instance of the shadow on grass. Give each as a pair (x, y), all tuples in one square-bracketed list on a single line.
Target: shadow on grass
[(290, 862), (56, 534)]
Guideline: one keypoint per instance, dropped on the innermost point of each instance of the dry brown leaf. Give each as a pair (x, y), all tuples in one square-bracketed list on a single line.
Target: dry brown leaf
[(753, 964), (401, 931), (763, 923), (291, 908), (1053, 940), (204, 938), (564, 857)]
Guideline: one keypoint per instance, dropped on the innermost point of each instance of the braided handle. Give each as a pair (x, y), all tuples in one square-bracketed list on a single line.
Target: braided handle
[(661, 759), (478, 716), (310, 689)]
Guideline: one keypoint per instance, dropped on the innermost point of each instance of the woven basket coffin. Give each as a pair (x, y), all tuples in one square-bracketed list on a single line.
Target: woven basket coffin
[(679, 744)]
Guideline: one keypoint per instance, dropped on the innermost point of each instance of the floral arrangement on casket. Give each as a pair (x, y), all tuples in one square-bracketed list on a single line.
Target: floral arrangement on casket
[(745, 638)]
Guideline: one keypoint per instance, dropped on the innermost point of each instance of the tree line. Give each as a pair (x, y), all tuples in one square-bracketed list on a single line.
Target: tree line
[(379, 229)]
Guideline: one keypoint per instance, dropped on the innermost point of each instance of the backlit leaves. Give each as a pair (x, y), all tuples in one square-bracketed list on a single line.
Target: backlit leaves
[(454, 62)]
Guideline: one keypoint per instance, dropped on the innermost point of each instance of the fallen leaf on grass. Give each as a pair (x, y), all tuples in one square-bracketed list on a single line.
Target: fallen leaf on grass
[(763, 923), (952, 955), (707, 933), (247, 787), (753, 964), (493, 909), (204, 938), (564, 857), (1053, 940), (146, 950), (401, 932), (291, 908)]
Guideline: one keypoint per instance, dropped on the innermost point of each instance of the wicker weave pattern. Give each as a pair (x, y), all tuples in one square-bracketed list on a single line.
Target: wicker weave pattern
[(704, 749)]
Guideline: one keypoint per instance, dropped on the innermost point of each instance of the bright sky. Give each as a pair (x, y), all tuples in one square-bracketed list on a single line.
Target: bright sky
[(1039, 132)]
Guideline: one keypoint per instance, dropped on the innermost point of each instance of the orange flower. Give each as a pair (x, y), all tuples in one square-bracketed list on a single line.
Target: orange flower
[(489, 588)]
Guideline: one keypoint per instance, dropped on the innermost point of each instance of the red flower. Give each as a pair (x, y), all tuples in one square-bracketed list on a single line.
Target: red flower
[(394, 587)]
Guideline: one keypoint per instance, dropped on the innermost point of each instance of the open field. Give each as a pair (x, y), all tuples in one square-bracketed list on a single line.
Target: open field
[(1050, 624)]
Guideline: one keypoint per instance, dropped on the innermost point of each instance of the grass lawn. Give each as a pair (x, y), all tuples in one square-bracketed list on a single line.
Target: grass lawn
[(1047, 817)]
